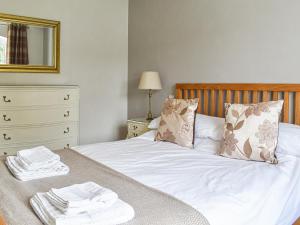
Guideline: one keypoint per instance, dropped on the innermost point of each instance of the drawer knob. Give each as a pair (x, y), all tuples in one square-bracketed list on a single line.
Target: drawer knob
[(5, 118), (135, 134), (67, 98), (67, 146), (4, 153), (6, 138), (67, 131), (67, 114), (5, 99), (135, 127)]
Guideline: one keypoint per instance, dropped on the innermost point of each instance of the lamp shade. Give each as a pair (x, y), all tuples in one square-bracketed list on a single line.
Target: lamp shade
[(150, 80)]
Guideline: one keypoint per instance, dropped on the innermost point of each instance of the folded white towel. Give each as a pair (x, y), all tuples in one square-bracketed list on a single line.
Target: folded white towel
[(81, 197), (20, 173), (81, 194), (37, 157), (119, 212)]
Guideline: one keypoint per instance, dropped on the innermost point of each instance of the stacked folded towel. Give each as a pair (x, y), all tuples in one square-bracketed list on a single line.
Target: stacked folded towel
[(81, 204), (36, 163)]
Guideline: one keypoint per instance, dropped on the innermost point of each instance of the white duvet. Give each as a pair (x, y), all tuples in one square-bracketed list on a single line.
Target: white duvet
[(225, 191)]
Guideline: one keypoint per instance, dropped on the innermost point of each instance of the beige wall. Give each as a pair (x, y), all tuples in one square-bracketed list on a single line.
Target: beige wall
[(94, 43), (211, 41)]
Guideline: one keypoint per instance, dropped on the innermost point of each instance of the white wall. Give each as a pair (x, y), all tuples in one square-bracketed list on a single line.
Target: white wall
[(94, 43), (211, 41)]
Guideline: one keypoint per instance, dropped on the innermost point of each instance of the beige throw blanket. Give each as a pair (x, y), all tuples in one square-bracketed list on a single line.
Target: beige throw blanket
[(151, 206)]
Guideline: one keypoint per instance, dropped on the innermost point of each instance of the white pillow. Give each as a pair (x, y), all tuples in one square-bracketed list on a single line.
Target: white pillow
[(205, 126), (289, 139), (149, 135), (207, 145), (154, 124), (209, 127)]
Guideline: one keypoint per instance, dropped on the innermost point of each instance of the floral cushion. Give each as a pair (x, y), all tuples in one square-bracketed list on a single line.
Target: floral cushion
[(251, 131), (177, 122)]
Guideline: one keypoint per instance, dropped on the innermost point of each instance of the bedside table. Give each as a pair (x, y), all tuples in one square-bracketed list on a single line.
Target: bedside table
[(137, 127)]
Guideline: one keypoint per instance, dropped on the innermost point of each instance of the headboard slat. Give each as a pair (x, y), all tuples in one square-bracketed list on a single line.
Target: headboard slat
[(199, 96), (213, 102), (275, 96), (286, 107), (215, 95), (192, 93), (179, 93), (220, 103), (185, 93), (255, 97), (206, 101), (246, 97), (265, 96), (237, 97), (228, 96), (297, 108)]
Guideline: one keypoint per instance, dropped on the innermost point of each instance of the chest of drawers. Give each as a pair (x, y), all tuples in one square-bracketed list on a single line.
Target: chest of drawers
[(38, 115), (137, 127)]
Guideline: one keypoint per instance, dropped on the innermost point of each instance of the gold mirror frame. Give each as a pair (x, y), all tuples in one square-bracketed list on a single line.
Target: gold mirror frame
[(56, 46)]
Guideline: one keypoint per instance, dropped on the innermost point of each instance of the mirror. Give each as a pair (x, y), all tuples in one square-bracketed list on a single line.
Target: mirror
[(29, 44)]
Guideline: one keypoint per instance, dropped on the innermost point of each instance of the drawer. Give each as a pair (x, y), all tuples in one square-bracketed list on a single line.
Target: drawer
[(38, 116), (136, 129), (38, 97), (27, 135), (132, 134), (54, 145)]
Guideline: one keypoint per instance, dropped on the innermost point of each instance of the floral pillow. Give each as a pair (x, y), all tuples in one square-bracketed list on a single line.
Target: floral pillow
[(251, 131), (177, 122)]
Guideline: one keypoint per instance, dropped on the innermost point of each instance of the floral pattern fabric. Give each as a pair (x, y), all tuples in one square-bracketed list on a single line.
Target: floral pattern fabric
[(177, 122), (251, 131)]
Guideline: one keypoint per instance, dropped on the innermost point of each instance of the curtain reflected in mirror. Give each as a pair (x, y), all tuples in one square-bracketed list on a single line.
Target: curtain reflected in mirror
[(26, 44), (17, 44)]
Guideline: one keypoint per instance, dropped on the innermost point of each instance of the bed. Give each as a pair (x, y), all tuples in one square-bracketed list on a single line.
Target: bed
[(225, 191), (218, 194)]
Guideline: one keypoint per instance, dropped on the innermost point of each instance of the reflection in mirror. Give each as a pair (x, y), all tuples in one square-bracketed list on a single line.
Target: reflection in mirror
[(22, 44), (29, 45)]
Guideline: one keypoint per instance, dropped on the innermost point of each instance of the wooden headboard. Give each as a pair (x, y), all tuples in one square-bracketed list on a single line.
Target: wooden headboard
[(213, 96)]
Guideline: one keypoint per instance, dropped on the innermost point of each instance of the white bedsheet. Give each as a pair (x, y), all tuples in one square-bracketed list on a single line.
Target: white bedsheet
[(225, 191)]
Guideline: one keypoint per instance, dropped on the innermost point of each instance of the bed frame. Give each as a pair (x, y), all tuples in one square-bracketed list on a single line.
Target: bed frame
[(2, 222), (213, 96)]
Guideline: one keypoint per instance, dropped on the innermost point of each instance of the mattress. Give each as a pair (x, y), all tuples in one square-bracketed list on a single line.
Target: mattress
[(225, 191)]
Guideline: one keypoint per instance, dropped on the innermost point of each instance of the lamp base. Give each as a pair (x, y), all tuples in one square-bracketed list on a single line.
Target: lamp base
[(149, 116)]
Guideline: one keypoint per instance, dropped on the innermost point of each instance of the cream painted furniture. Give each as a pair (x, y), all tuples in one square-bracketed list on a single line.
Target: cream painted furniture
[(38, 115), (137, 127)]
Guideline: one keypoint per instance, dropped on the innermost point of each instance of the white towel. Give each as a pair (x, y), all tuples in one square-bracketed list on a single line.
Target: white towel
[(119, 212), (81, 194), (81, 197), (20, 173), (37, 157)]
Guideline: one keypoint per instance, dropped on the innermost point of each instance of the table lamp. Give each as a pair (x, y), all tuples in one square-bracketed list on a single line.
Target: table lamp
[(150, 81)]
